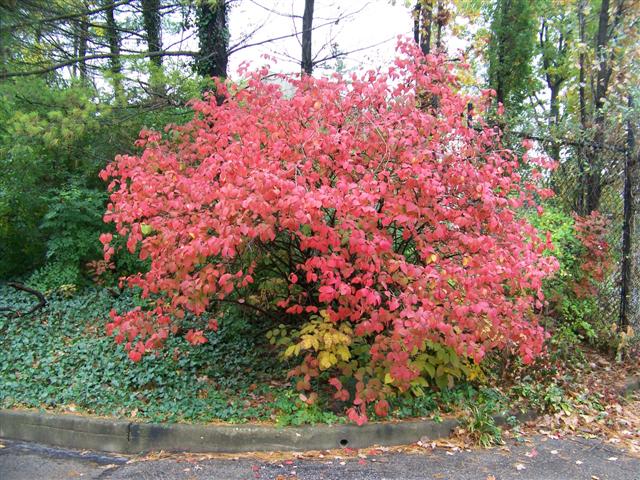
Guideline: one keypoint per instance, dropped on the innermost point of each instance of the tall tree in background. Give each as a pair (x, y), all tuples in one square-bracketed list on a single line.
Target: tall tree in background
[(572, 83), (510, 51), (153, 32), (587, 51), (422, 21), (213, 33), (557, 32), (113, 36), (82, 42), (307, 29), (610, 30), (153, 28), (429, 21)]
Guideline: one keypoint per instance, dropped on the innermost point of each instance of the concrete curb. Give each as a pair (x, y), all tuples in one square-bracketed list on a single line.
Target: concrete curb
[(125, 437), (121, 436), (71, 431)]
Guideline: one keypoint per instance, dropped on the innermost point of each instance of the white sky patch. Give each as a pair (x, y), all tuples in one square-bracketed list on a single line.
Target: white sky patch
[(367, 32)]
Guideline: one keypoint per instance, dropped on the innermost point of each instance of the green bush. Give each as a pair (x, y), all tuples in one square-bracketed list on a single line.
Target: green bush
[(71, 225), (575, 315), (54, 139)]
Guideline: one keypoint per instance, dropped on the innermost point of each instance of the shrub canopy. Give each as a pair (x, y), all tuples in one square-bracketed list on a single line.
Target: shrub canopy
[(371, 216)]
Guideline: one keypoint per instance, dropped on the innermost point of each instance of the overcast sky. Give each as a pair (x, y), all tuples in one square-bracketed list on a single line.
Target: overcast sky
[(366, 23)]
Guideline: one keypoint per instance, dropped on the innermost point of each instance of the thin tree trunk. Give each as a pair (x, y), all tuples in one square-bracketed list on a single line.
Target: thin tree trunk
[(441, 20), (581, 62), (307, 29), (580, 206), (601, 43), (594, 175), (83, 42), (417, 12), (554, 118), (500, 87), (74, 67), (153, 30), (114, 48)]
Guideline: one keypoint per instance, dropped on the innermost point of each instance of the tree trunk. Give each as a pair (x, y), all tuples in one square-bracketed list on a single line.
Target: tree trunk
[(500, 87), (213, 33), (417, 10), (307, 28), (442, 19), (153, 28), (581, 63), (422, 23), (601, 43), (114, 48), (582, 105), (74, 67), (83, 42), (4, 42), (593, 174), (425, 26), (554, 118)]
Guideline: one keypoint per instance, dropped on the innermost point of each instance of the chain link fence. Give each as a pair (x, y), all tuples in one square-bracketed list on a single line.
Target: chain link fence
[(605, 177)]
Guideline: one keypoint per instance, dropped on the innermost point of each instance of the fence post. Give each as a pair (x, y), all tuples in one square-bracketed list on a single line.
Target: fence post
[(627, 226)]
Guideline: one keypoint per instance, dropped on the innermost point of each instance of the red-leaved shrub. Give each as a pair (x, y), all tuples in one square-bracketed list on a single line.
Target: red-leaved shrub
[(383, 219), (595, 261)]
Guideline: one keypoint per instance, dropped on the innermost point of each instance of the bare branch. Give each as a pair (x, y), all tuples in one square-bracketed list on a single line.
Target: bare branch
[(69, 16), (72, 61), (42, 301), (240, 46), (345, 54)]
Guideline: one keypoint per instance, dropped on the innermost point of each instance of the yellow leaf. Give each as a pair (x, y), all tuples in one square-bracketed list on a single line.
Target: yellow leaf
[(326, 360), (145, 229), (343, 352), (307, 341), (388, 378)]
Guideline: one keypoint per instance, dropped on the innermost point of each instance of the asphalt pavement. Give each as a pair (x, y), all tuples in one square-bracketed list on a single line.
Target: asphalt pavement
[(541, 458)]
